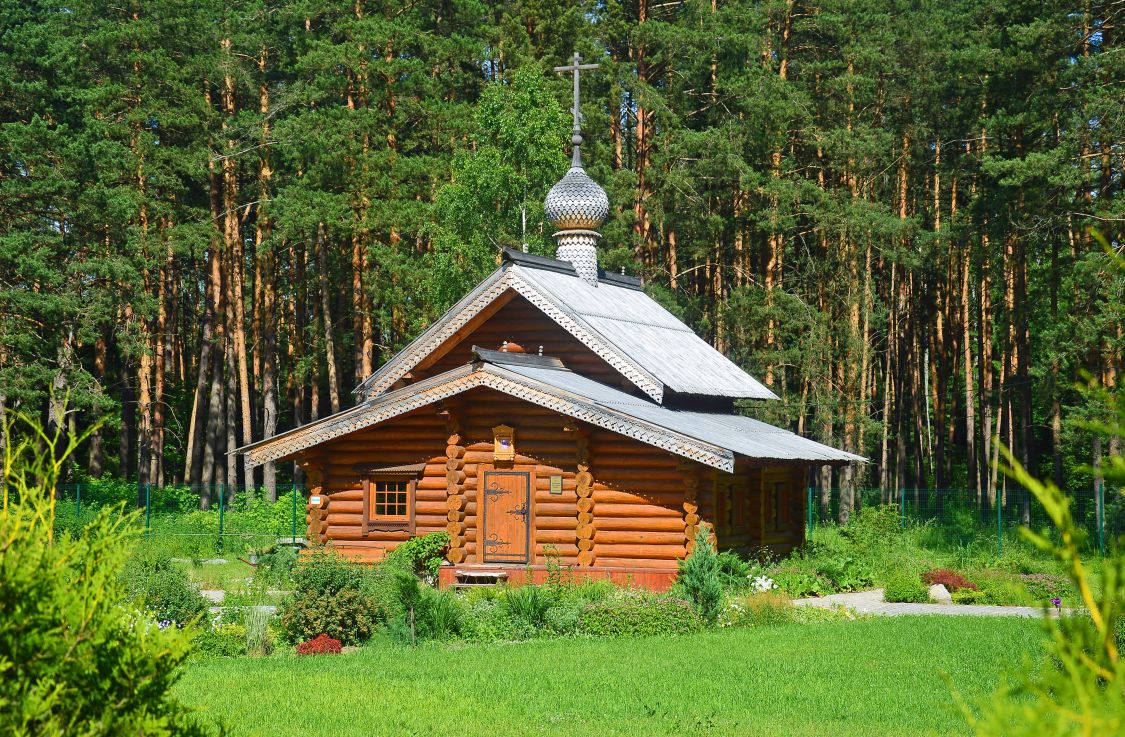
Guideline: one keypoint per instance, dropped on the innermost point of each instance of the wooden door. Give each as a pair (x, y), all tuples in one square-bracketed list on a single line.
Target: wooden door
[(507, 517)]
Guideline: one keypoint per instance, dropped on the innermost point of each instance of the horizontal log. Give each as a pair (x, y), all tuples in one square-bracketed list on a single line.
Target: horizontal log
[(355, 533), (454, 464), (654, 564), (454, 451), (585, 518), (585, 544), (456, 541), (567, 497), (349, 495), (435, 469), (455, 502), (650, 524), (432, 483), (456, 555), (554, 536), (586, 558), (344, 518), (584, 505), (437, 509), (664, 552), (635, 510), (455, 478), (564, 551), (551, 509), (609, 496), (455, 515), (435, 521), (544, 522), (584, 531), (620, 537), (431, 495), (341, 506), (691, 519)]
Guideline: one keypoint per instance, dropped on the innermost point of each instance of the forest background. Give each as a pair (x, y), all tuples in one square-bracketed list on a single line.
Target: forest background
[(216, 218)]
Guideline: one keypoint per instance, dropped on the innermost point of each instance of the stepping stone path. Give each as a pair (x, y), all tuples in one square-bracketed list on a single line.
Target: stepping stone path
[(871, 602)]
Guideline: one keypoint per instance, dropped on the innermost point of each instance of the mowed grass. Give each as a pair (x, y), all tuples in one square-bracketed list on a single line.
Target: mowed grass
[(876, 678)]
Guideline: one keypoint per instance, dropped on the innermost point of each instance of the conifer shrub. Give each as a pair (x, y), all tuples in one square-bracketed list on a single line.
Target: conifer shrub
[(76, 658), (700, 579)]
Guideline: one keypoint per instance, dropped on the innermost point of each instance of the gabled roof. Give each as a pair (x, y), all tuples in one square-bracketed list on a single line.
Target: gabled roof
[(628, 329), (712, 439)]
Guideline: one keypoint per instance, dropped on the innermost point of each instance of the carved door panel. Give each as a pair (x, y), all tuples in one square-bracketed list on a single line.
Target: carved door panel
[(507, 517)]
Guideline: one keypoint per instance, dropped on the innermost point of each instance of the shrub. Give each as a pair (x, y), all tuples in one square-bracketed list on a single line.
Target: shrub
[(224, 640), (800, 583), (638, 615), (487, 620), (906, 588), (322, 644), (969, 596), (699, 577), (951, 580), (756, 610), (734, 572), (440, 614), (844, 572), (345, 615), (74, 659), (156, 585), (1042, 587), (874, 527), (331, 595), (422, 556)]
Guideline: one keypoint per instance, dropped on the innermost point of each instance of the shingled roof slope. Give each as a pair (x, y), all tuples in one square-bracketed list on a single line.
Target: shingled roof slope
[(629, 329), (712, 439)]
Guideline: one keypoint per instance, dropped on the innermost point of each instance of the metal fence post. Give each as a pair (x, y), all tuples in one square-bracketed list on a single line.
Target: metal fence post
[(222, 503), (148, 506), (902, 506), (1101, 517), (999, 526)]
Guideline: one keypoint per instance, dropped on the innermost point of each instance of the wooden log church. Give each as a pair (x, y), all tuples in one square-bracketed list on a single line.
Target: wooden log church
[(555, 411)]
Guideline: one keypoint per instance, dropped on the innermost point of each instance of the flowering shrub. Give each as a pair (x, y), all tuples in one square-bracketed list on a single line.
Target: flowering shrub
[(322, 644), (951, 580)]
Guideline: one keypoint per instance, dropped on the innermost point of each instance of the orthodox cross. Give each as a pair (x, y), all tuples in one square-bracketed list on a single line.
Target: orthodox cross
[(576, 66)]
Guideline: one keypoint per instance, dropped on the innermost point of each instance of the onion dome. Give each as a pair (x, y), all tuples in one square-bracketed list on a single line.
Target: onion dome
[(576, 202)]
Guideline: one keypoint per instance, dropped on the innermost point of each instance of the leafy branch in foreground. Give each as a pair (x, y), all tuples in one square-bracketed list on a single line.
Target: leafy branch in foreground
[(74, 659), (1080, 688)]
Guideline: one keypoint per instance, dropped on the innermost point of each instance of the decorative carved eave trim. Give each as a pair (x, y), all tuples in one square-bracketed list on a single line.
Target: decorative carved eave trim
[(457, 381), (506, 277)]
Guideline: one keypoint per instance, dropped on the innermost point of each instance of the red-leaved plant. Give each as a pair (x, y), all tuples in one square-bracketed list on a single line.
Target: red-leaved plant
[(951, 580), (322, 644)]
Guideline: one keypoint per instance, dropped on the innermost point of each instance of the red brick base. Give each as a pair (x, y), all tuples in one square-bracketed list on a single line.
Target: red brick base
[(645, 578)]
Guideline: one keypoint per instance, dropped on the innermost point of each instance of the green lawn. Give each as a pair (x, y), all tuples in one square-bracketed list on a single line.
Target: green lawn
[(877, 677)]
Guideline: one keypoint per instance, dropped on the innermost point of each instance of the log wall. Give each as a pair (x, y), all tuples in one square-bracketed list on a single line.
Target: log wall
[(623, 504)]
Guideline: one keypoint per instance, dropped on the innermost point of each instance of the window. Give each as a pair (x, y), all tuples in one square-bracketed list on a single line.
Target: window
[(388, 504)]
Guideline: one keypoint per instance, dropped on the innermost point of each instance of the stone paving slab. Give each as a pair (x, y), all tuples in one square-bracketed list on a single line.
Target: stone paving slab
[(871, 602)]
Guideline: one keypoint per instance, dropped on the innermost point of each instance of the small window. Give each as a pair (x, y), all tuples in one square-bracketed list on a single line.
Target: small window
[(388, 504)]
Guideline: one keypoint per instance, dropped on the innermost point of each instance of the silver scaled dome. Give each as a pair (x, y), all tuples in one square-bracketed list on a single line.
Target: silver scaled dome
[(576, 202)]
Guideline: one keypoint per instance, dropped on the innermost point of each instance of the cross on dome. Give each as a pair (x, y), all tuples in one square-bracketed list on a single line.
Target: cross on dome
[(576, 205)]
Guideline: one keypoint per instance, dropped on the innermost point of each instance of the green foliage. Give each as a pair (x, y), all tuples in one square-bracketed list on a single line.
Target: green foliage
[(421, 555), (970, 596), (223, 640), (1080, 688), (699, 577), (330, 596), (639, 614), (904, 586), (155, 585), (755, 610), (528, 604), (75, 658)]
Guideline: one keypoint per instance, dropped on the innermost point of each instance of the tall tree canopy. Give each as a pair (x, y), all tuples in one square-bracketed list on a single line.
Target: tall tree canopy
[(217, 217)]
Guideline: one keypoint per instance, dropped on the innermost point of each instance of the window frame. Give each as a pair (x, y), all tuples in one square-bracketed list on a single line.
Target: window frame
[(386, 523)]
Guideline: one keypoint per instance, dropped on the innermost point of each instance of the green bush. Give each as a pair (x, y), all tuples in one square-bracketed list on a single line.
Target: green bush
[(969, 596), (75, 659), (639, 614), (332, 596), (799, 583), (875, 527), (421, 556), (345, 616), (224, 640), (699, 577), (734, 572), (905, 587), (155, 584)]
